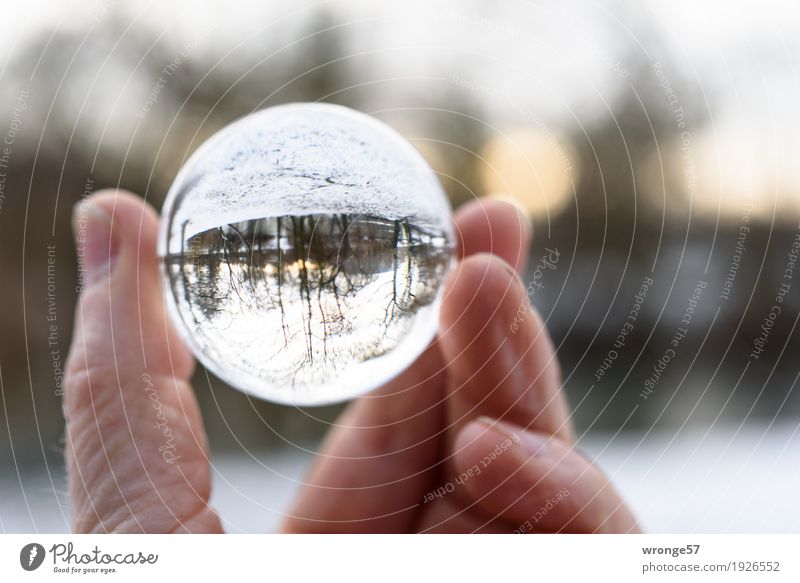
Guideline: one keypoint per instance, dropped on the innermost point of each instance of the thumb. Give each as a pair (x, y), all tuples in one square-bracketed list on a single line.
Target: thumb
[(136, 450)]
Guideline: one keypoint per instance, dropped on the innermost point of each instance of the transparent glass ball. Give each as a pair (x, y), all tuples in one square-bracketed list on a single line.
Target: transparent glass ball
[(304, 248)]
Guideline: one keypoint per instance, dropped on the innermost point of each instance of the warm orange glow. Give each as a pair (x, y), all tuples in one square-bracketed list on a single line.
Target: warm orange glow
[(725, 172), (535, 167)]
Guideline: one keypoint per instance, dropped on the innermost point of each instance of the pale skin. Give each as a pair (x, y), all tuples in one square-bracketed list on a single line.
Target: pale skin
[(488, 383)]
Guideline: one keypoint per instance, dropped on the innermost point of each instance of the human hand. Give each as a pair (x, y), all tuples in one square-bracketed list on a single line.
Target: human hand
[(424, 453)]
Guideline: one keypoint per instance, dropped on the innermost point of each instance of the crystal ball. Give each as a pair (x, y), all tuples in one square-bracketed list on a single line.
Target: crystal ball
[(303, 250)]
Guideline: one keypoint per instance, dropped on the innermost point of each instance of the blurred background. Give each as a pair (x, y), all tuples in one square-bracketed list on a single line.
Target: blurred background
[(654, 144)]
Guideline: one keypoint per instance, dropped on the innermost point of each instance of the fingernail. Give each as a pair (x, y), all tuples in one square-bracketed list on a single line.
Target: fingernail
[(524, 214), (527, 444), (94, 242), (508, 267), (534, 444)]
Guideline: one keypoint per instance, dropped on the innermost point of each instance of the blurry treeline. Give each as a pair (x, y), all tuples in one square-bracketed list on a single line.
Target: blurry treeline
[(120, 107)]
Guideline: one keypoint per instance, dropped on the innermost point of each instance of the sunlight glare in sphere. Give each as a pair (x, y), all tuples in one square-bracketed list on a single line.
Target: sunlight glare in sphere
[(304, 249)]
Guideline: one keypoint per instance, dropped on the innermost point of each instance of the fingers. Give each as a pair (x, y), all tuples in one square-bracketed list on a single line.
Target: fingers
[(496, 226), (136, 450), (377, 463), (499, 356), (536, 482), (373, 467)]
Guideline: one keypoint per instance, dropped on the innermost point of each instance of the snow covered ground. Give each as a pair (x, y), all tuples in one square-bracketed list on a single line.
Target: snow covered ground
[(726, 480)]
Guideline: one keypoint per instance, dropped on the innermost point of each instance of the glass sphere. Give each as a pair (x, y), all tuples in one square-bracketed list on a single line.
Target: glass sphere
[(303, 250)]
